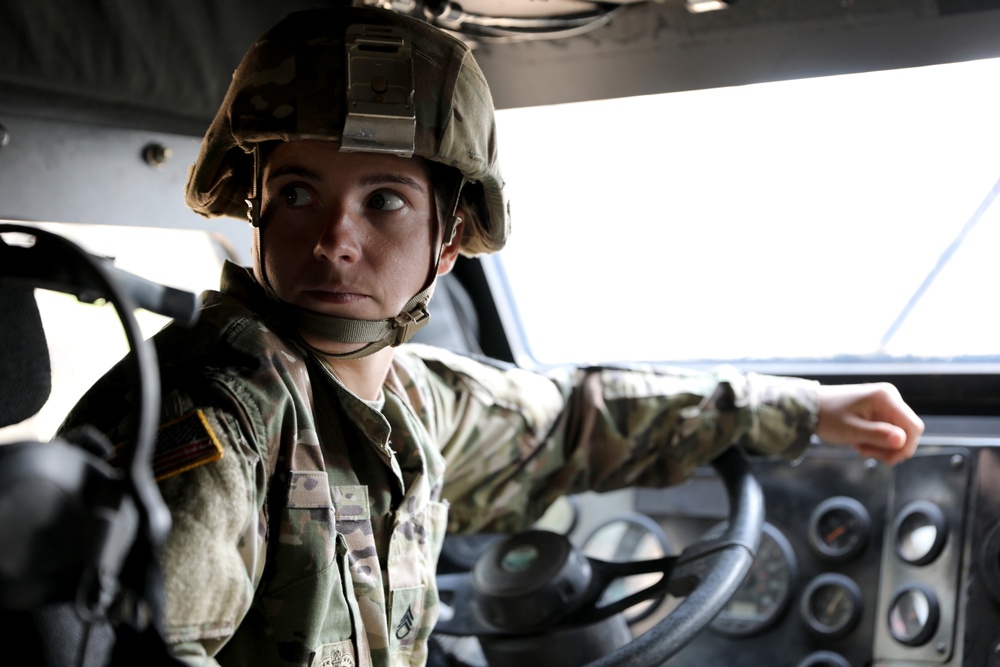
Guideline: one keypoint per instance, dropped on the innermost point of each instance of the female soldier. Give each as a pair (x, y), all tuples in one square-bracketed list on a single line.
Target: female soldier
[(308, 457)]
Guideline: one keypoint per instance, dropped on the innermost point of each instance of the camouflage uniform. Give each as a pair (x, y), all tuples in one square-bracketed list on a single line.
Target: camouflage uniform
[(307, 523)]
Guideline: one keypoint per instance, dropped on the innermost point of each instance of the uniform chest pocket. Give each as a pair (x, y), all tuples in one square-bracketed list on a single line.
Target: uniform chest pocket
[(306, 541), (306, 591), (436, 522), (354, 527), (414, 604)]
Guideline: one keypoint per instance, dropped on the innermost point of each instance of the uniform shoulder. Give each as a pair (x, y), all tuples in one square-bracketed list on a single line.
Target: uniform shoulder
[(422, 361), (491, 380)]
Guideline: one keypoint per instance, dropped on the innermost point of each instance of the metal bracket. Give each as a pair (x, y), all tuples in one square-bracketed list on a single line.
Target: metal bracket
[(380, 111)]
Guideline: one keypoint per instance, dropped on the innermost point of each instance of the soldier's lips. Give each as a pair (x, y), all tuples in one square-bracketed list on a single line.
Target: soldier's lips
[(334, 297)]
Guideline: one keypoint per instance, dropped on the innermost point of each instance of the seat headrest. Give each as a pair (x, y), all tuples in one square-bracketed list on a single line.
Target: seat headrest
[(25, 370)]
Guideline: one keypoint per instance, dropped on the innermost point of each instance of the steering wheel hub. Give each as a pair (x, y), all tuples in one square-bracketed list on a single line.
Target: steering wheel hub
[(529, 580)]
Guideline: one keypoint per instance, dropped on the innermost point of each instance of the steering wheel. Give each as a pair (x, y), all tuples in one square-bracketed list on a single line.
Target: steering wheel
[(536, 582)]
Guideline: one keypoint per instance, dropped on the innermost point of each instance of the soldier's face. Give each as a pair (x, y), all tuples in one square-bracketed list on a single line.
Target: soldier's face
[(346, 234)]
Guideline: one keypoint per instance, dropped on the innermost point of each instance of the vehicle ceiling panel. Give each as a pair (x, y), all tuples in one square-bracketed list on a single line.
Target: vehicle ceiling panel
[(655, 48), (165, 64)]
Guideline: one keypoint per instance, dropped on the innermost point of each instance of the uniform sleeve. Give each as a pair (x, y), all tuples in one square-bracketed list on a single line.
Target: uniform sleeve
[(514, 441), (214, 554)]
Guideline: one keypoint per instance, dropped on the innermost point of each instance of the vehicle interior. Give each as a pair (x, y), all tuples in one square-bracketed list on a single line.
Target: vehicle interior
[(789, 187)]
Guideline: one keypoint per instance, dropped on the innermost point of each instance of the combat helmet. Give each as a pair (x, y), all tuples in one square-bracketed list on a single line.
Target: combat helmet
[(376, 81)]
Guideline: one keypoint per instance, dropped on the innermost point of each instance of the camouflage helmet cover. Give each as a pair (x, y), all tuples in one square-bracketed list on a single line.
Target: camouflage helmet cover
[(291, 85)]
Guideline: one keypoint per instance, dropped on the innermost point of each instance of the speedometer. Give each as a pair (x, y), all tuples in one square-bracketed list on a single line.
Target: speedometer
[(765, 592)]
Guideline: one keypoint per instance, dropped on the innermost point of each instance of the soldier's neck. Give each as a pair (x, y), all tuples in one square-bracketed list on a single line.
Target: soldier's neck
[(364, 377)]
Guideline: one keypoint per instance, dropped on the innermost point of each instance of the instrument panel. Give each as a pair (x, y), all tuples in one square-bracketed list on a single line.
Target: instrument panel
[(860, 563)]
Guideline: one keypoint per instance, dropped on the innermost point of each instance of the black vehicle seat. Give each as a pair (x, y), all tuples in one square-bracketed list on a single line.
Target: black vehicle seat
[(79, 579), (51, 634)]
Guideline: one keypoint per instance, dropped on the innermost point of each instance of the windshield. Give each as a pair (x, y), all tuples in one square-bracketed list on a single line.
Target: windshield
[(843, 218)]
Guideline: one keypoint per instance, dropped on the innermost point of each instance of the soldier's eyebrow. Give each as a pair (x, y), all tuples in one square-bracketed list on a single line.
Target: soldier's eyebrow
[(294, 170), (389, 177)]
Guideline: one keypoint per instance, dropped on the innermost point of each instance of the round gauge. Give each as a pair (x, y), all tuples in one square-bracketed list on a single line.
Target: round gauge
[(765, 592), (920, 531), (839, 528), (913, 615), (831, 605), (824, 659)]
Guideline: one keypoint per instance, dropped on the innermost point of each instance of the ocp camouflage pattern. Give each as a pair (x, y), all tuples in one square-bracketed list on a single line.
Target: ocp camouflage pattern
[(291, 85), (315, 539)]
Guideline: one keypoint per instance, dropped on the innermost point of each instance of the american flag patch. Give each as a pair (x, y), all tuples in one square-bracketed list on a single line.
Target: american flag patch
[(183, 444)]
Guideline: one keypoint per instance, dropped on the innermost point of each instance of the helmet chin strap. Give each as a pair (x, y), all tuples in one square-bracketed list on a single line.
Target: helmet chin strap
[(375, 334)]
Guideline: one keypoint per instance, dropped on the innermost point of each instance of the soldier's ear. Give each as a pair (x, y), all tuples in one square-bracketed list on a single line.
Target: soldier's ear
[(449, 252)]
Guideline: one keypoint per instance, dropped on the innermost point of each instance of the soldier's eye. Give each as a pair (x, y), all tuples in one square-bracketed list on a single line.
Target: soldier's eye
[(386, 201), (295, 195)]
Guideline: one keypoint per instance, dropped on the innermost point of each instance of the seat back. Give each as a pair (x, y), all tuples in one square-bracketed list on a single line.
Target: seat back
[(78, 569), (45, 634)]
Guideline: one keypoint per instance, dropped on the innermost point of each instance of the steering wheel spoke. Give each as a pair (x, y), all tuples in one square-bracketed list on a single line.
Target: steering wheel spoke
[(536, 583), (607, 573)]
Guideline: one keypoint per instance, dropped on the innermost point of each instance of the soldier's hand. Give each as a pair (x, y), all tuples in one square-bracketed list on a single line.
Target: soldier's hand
[(871, 418)]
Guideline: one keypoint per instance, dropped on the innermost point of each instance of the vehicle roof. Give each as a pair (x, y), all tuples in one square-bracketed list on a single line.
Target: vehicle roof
[(165, 64)]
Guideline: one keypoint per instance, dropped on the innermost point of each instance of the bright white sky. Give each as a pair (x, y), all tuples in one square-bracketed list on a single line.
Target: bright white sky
[(791, 219)]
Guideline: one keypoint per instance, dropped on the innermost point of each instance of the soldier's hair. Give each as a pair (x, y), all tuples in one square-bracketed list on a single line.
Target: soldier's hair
[(444, 180)]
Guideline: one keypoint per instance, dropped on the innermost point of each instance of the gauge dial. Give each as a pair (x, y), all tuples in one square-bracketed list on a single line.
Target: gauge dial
[(831, 605), (824, 659), (920, 531), (765, 592), (913, 615), (839, 528)]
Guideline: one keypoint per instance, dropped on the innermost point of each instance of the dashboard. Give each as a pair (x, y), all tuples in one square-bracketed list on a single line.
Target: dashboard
[(860, 563)]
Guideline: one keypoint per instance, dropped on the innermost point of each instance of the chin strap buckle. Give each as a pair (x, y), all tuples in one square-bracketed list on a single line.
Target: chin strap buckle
[(409, 323)]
